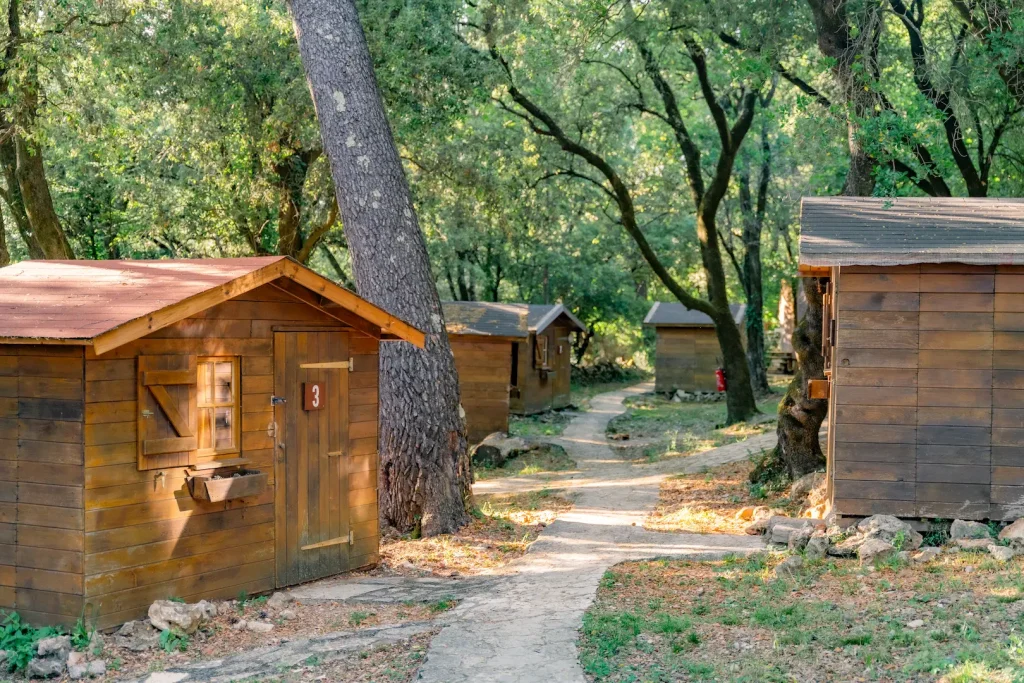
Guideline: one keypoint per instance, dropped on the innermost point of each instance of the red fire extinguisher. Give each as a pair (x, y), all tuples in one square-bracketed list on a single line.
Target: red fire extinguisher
[(720, 379)]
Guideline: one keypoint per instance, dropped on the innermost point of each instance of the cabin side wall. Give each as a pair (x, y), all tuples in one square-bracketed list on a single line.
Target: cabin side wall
[(41, 481), (534, 390), (484, 366), (146, 538), (928, 392), (685, 358), (561, 355)]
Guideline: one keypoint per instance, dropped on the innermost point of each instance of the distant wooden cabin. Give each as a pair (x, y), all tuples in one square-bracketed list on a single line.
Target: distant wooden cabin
[(541, 366), (924, 350), (483, 336), (132, 391), (686, 351)]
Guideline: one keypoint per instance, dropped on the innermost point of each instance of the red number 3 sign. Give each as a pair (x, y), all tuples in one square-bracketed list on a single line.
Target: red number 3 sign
[(312, 396)]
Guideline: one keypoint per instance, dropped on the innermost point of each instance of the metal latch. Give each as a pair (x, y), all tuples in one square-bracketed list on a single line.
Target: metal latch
[(277, 400), (147, 414)]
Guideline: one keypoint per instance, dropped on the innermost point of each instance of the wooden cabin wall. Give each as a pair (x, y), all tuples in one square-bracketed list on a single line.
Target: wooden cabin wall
[(145, 537), (561, 355), (928, 392), (534, 390), (685, 358), (484, 366), (41, 482)]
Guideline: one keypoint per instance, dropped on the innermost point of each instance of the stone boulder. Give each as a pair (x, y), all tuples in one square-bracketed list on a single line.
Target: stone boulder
[(57, 646), (789, 567), (977, 545), (498, 447), (817, 546), (1002, 553), (45, 667), (280, 600), (168, 615), (925, 555), (802, 487), (780, 528), (891, 530), (964, 529), (798, 539), (136, 636), (51, 657), (875, 550), (1014, 534)]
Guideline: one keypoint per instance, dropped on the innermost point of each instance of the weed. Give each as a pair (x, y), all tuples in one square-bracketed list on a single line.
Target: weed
[(610, 632), (667, 623), (442, 605), (786, 616), (312, 660), (115, 664), (856, 639), (175, 598), (701, 608), (173, 640), (19, 640), (81, 635), (693, 638), (356, 618)]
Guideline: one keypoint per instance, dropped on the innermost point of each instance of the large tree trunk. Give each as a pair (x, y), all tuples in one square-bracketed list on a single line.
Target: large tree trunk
[(424, 469), (35, 192), (9, 162)]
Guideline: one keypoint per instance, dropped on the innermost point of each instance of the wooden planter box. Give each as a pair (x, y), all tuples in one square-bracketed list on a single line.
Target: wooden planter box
[(203, 486)]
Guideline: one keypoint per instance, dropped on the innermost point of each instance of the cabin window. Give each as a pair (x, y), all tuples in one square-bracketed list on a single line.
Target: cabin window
[(828, 323), (218, 405), (540, 352), (514, 379)]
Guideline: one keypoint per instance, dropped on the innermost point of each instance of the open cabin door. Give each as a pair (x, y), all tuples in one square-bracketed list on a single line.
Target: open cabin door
[(311, 375)]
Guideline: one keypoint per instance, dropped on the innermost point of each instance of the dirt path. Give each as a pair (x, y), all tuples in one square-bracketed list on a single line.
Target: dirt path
[(525, 628)]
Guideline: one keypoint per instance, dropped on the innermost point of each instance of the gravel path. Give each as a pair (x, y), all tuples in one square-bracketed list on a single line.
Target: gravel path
[(525, 628)]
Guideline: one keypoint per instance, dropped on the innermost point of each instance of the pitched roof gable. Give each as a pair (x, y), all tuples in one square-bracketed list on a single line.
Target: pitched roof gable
[(674, 314)]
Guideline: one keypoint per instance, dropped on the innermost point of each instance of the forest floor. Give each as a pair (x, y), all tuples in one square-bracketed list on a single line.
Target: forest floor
[(957, 619)]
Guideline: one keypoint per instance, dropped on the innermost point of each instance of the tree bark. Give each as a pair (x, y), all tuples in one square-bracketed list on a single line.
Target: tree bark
[(12, 197), (35, 192), (753, 211), (424, 468)]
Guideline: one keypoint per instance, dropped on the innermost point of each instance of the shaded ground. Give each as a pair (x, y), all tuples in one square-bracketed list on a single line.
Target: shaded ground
[(957, 619), (709, 501), (546, 458)]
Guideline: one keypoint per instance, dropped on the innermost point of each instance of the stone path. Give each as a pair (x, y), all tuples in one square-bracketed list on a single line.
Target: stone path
[(524, 630)]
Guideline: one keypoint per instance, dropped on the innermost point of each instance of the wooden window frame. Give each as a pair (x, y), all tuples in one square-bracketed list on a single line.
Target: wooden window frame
[(236, 403), (541, 352)]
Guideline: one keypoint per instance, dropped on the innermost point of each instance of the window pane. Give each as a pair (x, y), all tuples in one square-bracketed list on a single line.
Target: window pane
[(225, 432), (222, 382), (206, 428)]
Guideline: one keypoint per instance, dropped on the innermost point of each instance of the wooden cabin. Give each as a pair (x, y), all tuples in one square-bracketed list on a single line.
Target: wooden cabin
[(483, 336), (541, 367), (924, 350), (189, 429), (686, 350)]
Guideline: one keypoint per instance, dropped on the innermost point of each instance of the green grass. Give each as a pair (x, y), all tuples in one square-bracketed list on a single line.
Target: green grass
[(547, 458), (550, 423)]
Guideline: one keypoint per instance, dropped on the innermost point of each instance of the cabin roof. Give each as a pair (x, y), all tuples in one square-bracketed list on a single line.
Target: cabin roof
[(109, 303), (484, 318), (674, 314), (540, 316), (879, 231)]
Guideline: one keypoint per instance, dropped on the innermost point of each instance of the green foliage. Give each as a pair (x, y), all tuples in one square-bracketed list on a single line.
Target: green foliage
[(357, 618), (173, 640), (81, 635), (19, 640), (442, 605)]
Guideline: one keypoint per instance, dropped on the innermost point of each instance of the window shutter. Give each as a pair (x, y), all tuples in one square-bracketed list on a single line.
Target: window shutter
[(167, 411)]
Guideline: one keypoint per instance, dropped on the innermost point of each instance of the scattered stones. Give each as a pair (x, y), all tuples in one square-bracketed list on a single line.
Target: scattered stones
[(890, 529), (1002, 553), (260, 626), (239, 625), (137, 636), (874, 549), (799, 538), (817, 546), (697, 396), (79, 667), (57, 646), (1014, 534), (803, 486), (166, 615), (925, 555), (45, 667), (780, 528), (973, 544), (280, 600), (964, 529), (498, 447), (915, 624), (789, 567), (288, 614), (76, 658)]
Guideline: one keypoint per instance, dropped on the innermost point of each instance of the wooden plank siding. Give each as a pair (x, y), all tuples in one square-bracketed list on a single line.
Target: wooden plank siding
[(484, 366), (538, 391), (145, 538), (685, 358), (928, 392), (42, 411)]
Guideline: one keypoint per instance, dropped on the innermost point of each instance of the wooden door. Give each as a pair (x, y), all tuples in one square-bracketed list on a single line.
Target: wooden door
[(560, 382), (311, 375)]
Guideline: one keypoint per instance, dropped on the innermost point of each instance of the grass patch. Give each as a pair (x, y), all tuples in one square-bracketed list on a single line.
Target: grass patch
[(547, 458)]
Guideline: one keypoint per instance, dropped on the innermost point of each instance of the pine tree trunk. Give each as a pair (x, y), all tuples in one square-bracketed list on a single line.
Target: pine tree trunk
[(424, 467), (35, 192)]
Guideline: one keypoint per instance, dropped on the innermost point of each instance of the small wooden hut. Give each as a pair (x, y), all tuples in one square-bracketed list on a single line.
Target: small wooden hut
[(924, 353), (686, 351), (188, 429), (541, 367), (483, 336)]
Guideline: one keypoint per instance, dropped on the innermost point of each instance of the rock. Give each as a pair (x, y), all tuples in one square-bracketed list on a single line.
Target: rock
[(57, 646), (799, 538), (890, 529), (803, 486), (137, 636), (904, 556), (756, 528), (973, 544), (45, 667), (239, 625), (260, 626), (780, 528), (963, 529), (789, 567), (167, 615), (1014, 534), (288, 614), (817, 546), (76, 658), (916, 623), (3, 660), (97, 667), (925, 555), (1001, 552), (873, 550), (280, 600), (78, 671), (498, 447)]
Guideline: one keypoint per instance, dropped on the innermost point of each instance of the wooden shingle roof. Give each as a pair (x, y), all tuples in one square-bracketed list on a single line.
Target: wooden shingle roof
[(879, 231), (484, 318), (539, 316), (674, 314), (109, 303)]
